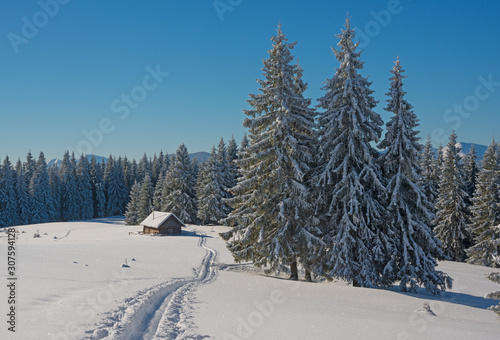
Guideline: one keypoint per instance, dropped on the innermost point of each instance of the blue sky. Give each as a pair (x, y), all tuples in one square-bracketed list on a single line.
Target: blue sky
[(128, 77)]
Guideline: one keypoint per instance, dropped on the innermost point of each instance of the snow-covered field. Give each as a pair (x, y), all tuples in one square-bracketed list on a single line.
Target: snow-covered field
[(71, 285)]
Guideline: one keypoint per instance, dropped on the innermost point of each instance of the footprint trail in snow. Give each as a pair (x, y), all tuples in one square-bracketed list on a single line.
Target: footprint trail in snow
[(158, 312)]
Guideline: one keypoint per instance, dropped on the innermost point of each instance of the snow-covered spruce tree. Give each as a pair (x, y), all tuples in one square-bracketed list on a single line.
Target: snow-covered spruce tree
[(114, 185), (226, 178), (414, 246), (428, 178), (69, 190), (56, 190), (145, 198), (195, 166), (452, 215), (438, 164), (156, 167), (8, 204), (208, 204), (179, 196), (232, 156), (157, 195), (132, 212), (120, 164), (166, 163), (348, 182), (22, 195), (470, 170), (128, 173), (144, 168), (486, 211), (42, 204), (29, 167), (272, 212), (212, 191), (84, 184), (132, 172), (98, 195)]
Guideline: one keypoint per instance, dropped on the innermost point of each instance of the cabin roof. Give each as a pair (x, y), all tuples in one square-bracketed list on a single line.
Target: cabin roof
[(156, 218)]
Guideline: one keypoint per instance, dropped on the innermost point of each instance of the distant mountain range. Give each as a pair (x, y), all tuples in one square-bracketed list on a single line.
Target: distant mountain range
[(480, 149), (199, 156), (465, 148)]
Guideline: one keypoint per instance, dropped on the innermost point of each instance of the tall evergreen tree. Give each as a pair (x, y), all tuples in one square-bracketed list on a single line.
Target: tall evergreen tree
[(22, 195), (42, 205), (195, 167), (224, 173), (429, 180), (232, 157), (8, 204), (56, 190), (211, 190), (271, 198), (470, 170), (452, 215), (145, 203), (84, 185), (98, 195), (132, 211), (156, 166), (165, 164), (69, 189), (414, 246), (114, 185), (207, 203), (128, 173), (348, 183), (179, 195), (157, 196), (438, 164), (144, 168), (134, 172), (486, 211), (29, 167), (124, 190)]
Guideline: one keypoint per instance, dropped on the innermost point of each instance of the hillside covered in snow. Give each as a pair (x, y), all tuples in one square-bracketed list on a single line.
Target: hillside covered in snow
[(72, 285)]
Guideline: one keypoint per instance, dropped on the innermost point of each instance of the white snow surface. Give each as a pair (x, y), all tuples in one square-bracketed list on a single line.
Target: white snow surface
[(71, 285)]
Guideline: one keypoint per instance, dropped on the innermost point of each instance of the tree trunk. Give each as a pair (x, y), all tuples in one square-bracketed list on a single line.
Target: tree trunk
[(308, 276), (294, 274)]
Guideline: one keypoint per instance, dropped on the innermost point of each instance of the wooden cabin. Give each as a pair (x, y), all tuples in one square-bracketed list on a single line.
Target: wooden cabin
[(162, 223)]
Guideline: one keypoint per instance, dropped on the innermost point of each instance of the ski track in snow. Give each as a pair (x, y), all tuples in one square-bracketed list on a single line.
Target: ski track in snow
[(161, 311)]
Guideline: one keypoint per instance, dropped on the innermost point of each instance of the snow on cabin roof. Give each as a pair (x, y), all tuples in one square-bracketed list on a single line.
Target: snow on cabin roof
[(156, 218)]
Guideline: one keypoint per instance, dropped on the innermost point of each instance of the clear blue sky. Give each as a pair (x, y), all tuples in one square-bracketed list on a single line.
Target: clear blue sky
[(69, 72)]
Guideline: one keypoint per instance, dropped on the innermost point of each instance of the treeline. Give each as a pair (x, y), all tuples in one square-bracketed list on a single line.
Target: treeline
[(79, 189), (194, 192)]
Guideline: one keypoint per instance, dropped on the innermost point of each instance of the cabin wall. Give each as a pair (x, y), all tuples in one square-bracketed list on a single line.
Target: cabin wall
[(170, 227), (150, 230)]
